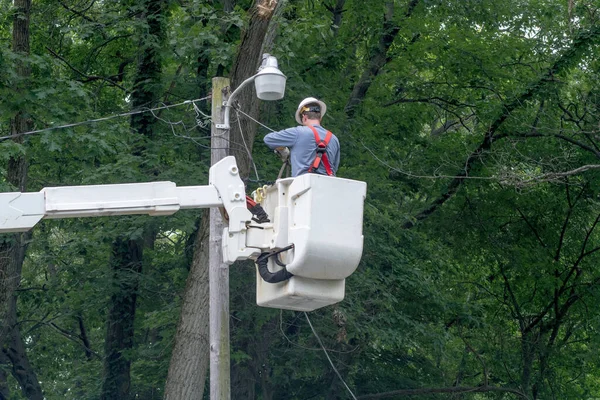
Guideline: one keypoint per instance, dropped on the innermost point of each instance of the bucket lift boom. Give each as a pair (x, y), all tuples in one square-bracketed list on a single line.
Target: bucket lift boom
[(19, 212), (320, 216)]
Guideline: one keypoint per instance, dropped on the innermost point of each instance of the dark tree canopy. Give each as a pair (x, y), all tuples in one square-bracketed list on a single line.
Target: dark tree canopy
[(474, 123)]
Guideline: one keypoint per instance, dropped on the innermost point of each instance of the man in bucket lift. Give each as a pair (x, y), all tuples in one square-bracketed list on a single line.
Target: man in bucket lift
[(310, 147)]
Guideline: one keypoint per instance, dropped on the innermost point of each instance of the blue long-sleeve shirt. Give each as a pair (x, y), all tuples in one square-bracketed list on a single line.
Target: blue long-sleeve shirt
[(302, 145)]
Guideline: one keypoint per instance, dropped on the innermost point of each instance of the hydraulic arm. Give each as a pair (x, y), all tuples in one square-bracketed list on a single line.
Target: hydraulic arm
[(20, 212), (311, 244)]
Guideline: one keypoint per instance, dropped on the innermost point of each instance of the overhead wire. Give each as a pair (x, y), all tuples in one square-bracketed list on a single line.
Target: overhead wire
[(251, 118), (304, 347), (202, 123), (199, 122), (90, 121), (172, 125), (379, 160), (180, 122), (327, 355), (207, 119), (410, 174), (246, 146), (505, 175)]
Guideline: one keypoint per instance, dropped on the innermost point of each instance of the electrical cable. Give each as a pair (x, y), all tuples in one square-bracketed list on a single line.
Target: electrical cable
[(249, 117), (286, 163), (288, 339), (200, 113), (100, 119), (257, 211), (409, 174), (328, 358), (304, 347), (202, 124), (173, 124), (245, 145)]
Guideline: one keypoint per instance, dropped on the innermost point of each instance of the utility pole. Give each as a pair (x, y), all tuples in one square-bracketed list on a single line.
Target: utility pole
[(218, 271)]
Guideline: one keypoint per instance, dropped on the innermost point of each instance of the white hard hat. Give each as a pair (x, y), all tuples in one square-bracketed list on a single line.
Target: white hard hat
[(309, 100)]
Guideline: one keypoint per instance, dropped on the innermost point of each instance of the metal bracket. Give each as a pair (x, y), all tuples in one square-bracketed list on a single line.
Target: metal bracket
[(225, 177)]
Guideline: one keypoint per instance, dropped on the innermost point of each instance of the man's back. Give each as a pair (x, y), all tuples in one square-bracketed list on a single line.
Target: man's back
[(302, 144)]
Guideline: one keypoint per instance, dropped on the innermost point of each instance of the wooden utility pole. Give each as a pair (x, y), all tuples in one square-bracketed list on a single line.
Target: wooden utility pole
[(218, 273)]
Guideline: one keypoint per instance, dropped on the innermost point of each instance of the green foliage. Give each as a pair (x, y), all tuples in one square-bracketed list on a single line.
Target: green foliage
[(495, 286)]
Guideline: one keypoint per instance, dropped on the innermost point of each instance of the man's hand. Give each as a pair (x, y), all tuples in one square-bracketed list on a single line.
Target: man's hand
[(283, 153)]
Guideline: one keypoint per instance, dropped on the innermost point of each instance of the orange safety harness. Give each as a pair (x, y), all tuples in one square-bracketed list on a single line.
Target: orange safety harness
[(321, 152)]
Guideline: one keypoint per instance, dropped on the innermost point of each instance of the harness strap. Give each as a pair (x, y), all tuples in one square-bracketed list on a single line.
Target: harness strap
[(321, 155)]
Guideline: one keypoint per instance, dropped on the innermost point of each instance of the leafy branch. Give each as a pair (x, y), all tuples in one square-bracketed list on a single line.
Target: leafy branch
[(451, 390), (88, 78), (566, 60)]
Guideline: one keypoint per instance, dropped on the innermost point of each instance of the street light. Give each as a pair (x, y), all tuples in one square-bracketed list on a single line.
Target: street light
[(269, 82)]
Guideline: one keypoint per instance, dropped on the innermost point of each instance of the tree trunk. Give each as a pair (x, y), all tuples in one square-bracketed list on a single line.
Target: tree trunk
[(12, 247), (254, 372), (527, 357), (127, 254), (259, 349), (126, 264), (16, 171), (246, 64), (242, 381), (189, 360), (84, 338), (147, 79), (336, 11), (4, 363), (14, 350)]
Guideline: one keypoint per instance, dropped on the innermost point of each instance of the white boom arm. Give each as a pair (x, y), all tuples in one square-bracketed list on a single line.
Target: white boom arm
[(316, 219), (20, 212)]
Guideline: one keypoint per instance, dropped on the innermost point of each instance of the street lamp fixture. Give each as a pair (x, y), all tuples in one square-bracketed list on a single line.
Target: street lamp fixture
[(269, 82)]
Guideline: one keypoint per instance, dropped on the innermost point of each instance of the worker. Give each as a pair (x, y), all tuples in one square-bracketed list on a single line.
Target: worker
[(309, 147)]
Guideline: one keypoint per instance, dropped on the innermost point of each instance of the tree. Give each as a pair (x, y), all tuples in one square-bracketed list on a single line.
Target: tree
[(474, 125), (128, 250), (13, 246), (188, 363)]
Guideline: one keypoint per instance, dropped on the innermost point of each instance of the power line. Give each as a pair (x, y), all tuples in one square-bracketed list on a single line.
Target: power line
[(376, 158), (71, 125), (328, 358), (247, 149), (195, 140), (250, 117)]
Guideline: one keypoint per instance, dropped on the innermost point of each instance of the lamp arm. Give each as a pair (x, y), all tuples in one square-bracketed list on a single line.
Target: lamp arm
[(228, 105)]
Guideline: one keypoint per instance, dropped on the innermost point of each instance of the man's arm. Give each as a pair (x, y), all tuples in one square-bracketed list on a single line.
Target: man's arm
[(284, 138), (335, 162)]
